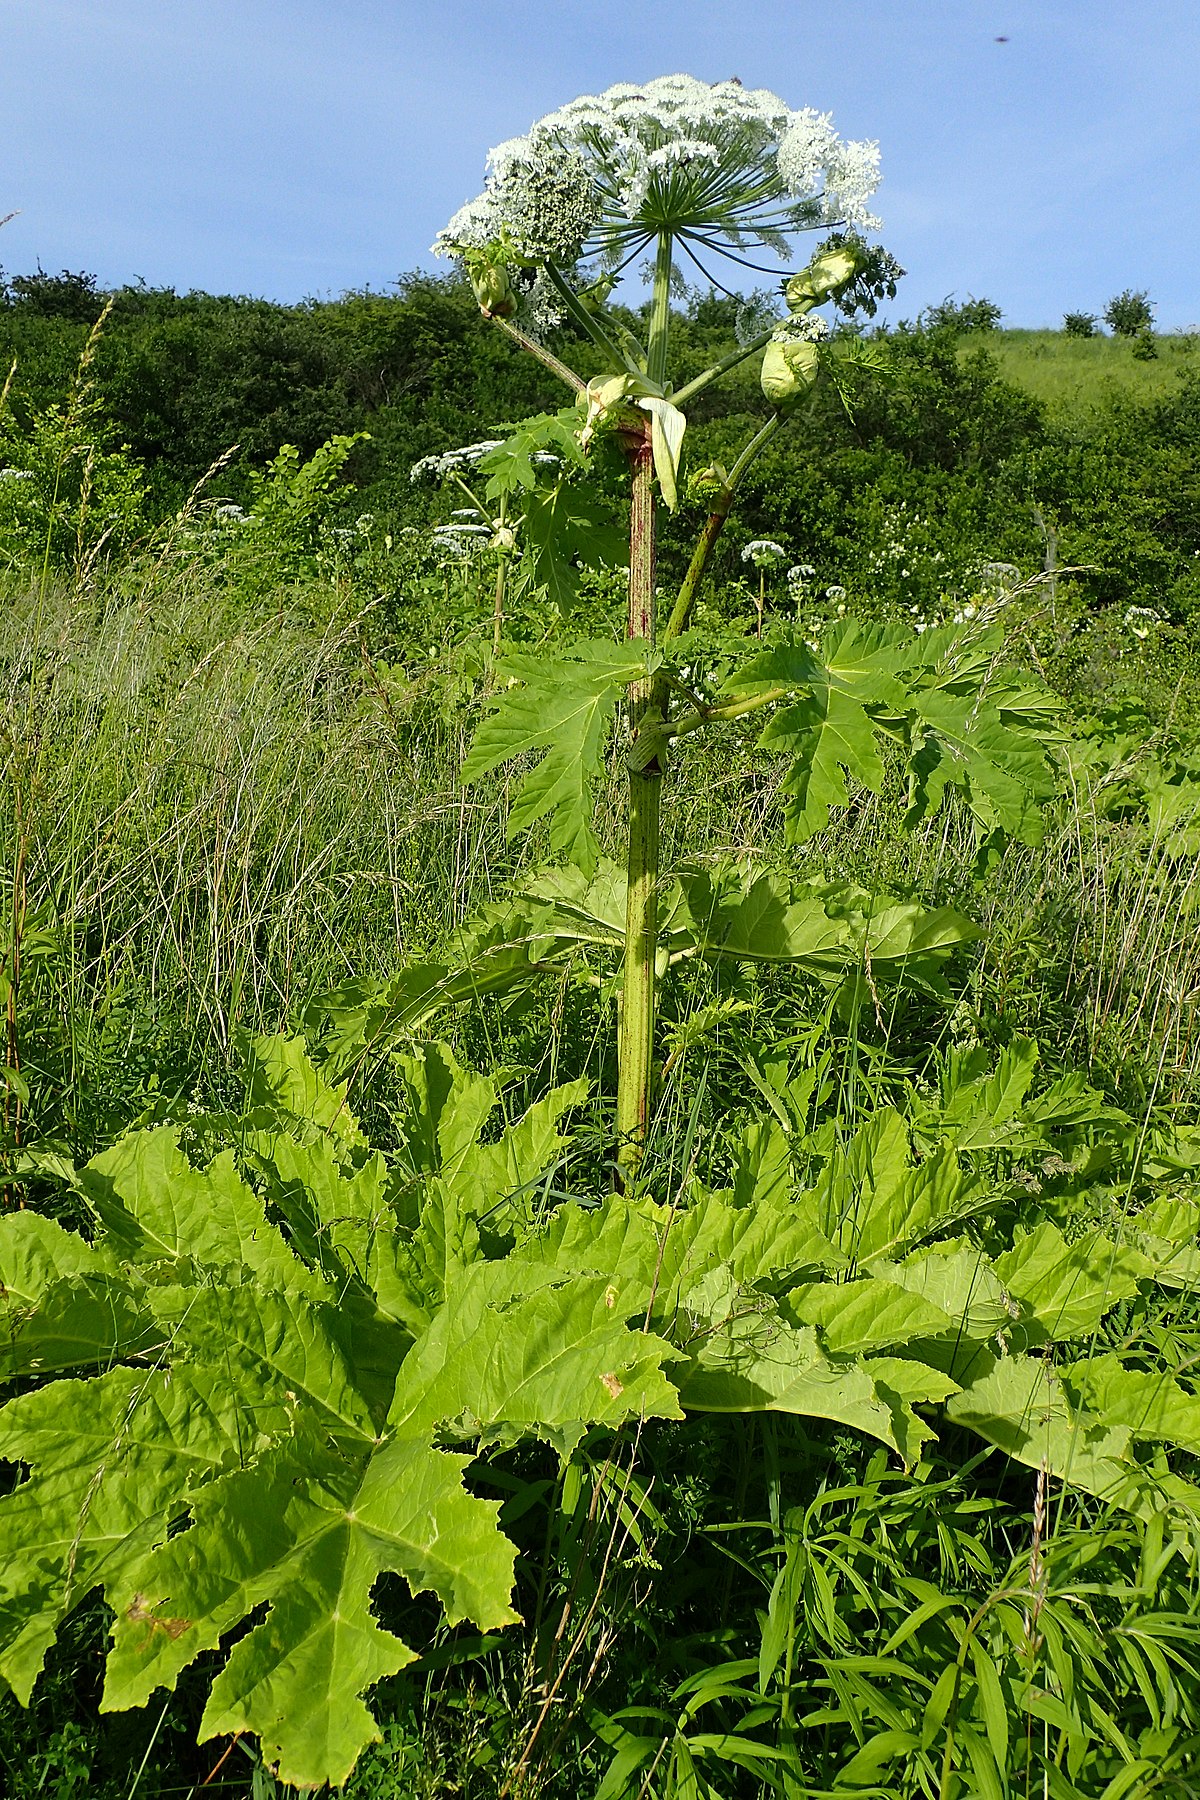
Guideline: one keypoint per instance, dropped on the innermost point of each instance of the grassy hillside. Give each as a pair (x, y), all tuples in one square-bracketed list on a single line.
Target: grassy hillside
[(1079, 375)]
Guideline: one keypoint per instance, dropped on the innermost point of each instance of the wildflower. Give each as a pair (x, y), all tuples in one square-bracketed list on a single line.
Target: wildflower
[(1140, 620), (802, 328), (460, 541), (1001, 576), (762, 552), (448, 462)]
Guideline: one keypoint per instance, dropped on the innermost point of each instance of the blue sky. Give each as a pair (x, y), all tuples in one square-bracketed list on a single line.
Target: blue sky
[(301, 147)]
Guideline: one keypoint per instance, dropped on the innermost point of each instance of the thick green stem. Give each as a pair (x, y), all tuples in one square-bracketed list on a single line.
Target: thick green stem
[(588, 323), (698, 383), (681, 612), (660, 312), (651, 727), (498, 605), (641, 947), (636, 1045), (757, 444)]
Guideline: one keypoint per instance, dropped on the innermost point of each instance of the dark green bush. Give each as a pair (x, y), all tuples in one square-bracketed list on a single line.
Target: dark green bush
[(1130, 313)]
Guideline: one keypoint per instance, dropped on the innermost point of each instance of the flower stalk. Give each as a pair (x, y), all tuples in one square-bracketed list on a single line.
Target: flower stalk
[(635, 1053)]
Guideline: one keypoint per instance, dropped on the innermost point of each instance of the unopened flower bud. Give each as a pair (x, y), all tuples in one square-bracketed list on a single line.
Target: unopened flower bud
[(707, 483), (825, 275), (789, 369), (493, 290)]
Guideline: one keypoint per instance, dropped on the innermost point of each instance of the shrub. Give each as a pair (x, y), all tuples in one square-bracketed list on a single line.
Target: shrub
[(1080, 324), (962, 316), (1130, 313), (72, 295)]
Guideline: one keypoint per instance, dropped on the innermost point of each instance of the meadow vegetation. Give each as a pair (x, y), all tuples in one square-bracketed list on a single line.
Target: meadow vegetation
[(850, 1446)]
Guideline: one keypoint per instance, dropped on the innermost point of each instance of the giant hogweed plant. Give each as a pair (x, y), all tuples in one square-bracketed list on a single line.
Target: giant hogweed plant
[(682, 171)]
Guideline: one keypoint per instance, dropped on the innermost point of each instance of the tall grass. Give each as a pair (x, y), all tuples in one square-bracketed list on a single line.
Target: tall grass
[(212, 815), (215, 812)]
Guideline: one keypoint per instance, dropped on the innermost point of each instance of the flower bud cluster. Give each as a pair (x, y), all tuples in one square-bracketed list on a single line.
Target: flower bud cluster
[(804, 328)]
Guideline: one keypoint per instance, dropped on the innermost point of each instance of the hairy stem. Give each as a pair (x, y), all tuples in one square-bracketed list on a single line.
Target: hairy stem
[(636, 1044)]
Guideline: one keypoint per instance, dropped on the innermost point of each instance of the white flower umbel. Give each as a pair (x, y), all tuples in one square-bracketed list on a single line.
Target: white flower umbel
[(813, 157), (717, 166), (804, 328), (762, 552), (450, 462)]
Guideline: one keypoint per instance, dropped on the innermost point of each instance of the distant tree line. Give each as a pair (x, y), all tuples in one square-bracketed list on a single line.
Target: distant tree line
[(914, 477)]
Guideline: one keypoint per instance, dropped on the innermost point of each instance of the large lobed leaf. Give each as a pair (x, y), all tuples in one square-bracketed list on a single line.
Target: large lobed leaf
[(824, 725), (270, 1440), (310, 1536), (563, 710), (960, 717)]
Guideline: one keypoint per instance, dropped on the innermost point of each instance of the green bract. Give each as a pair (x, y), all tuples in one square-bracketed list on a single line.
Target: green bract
[(826, 275), (789, 369)]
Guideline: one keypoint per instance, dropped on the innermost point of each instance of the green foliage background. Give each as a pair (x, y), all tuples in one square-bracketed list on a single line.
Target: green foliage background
[(972, 441), (232, 747)]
